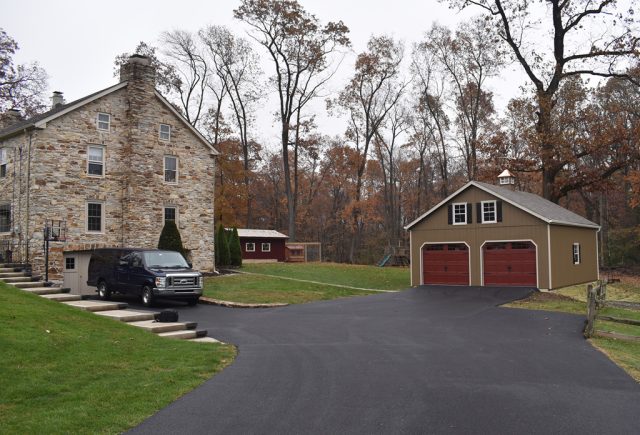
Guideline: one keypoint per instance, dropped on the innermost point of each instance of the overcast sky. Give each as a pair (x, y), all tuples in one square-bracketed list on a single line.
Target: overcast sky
[(76, 41)]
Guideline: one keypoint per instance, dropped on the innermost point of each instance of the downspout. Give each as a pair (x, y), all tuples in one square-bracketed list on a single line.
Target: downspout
[(28, 192)]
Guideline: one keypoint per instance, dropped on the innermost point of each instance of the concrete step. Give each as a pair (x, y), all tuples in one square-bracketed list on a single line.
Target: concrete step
[(95, 306), (30, 284), (205, 340), (14, 265), (181, 335), (7, 269), (62, 297), (12, 274), (159, 327), (16, 279), (43, 290), (127, 315)]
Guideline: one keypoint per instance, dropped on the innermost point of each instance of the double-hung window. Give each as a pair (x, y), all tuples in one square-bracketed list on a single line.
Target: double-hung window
[(170, 169), (5, 218), (250, 247), (266, 247), (489, 215), (95, 160), (576, 253), (104, 121), (3, 162), (165, 132), (460, 213), (95, 217)]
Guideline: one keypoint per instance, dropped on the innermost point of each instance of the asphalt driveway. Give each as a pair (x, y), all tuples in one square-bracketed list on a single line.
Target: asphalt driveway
[(425, 360)]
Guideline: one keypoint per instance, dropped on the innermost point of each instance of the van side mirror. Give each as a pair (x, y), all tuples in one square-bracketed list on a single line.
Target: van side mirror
[(190, 264), (122, 262)]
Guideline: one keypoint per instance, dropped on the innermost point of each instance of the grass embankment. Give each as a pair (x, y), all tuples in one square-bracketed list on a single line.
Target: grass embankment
[(573, 300), (256, 288), (68, 371)]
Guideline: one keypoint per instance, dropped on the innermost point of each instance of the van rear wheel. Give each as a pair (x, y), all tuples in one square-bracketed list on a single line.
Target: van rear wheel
[(147, 296), (103, 292)]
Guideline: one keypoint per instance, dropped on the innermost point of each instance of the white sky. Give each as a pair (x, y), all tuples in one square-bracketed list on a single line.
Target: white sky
[(76, 41)]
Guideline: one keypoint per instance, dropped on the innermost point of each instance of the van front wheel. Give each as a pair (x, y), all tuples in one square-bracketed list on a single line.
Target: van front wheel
[(103, 292), (147, 296)]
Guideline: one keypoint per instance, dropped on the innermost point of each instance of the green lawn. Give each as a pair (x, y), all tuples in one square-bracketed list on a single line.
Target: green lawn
[(370, 277), (572, 300), (63, 370), (263, 289)]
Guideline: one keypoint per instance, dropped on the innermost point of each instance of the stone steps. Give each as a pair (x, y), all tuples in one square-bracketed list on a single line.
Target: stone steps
[(158, 327), (97, 306), (62, 297), (127, 315), (180, 335), (4, 275), (16, 279), (29, 284), (43, 290), (205, 340)]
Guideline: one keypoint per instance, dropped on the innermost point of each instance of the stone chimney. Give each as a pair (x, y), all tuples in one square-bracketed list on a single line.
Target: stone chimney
[(57, 99), (139, 72), (507, 179), (10, 117)]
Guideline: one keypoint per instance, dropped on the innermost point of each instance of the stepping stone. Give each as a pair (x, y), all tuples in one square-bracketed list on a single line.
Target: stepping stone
[(30, 284), (182, 335), (62, 297), (159, 327), (205, 340), (127, 315), (16, 279), (42, 290), (97, 305), (12, 274)]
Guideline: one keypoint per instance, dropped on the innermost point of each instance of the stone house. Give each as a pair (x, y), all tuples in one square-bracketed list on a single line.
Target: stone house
[(109, 169)]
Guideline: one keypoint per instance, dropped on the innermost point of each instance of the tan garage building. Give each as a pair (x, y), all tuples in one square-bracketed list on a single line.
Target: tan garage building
[(487, 235)]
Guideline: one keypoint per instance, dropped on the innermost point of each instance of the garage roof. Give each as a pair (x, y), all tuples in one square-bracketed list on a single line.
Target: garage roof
[(265, 234), (533, 204)]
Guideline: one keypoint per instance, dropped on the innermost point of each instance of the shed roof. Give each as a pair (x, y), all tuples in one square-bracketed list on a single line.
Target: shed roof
[(265, 234), (535, 205)]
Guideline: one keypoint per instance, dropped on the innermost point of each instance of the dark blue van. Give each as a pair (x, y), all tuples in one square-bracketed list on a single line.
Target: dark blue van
[(148, 273)]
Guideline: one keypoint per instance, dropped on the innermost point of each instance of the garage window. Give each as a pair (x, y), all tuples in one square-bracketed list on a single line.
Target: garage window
[(576, 253)]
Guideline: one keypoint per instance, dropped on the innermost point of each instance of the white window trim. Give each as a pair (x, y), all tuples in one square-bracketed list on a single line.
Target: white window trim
[(10, 217), (495, 212), (175, 207), (168, 139), (164, 169), (98, 122), (453, 213), (253, 247), (102, 217), (265, 250), (104, 158), (576, 253)]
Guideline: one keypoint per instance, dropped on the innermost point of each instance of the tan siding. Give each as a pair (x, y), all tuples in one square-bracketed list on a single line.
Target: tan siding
[(564, 272), (516, 225)]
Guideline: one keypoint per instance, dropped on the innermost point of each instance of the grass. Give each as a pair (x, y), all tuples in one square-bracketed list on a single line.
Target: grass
[(371, 277), (263, 289), (68, 371), (573, 300)]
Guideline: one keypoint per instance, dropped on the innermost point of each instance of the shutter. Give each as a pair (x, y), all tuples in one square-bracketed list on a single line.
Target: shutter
[(479, 212), (579, 253), (450, 214), (499, 211), (469, 207)]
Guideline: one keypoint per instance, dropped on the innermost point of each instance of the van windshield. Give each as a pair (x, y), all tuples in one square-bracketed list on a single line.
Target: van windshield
[(164, 259)]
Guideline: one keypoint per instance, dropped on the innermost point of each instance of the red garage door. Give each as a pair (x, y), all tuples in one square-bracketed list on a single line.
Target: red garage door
[(509, 263), (445, 263)]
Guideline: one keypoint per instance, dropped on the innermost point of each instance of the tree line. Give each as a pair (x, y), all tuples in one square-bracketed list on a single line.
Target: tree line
[(421, 119)]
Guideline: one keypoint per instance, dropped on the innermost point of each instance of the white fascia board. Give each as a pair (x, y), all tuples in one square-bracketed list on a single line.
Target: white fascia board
[(437, 206)]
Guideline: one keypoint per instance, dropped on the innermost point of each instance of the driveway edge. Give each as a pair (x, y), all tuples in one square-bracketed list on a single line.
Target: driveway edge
[(229, 304)]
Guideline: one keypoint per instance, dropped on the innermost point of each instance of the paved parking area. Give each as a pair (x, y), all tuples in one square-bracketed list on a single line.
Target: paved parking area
[(425, 360)]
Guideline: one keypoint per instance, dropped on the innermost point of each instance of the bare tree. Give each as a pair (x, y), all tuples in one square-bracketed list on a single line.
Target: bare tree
[(299, 47), (584, 38)]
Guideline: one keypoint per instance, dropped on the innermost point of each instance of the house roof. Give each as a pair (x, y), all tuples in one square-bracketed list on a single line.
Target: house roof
[(265, 234), (535, 205), (40, 121)]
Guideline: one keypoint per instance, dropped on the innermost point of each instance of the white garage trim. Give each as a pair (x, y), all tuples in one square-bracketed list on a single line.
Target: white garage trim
[(549, 253), (442, 243), (507, 241)]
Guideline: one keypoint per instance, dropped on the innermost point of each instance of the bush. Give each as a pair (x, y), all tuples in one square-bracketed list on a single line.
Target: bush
[(223, 256), (234, 248), (170, 238)]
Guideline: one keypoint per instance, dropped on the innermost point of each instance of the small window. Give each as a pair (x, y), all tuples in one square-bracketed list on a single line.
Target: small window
[(70, 263), (250, 247), (266, 247), (170, 214), (165, 132), (489, 212), (94, 217), (576, 253), (5, 218), (104, 121), (136, 260), (95, 160), (3, 162), (460, 213), (170, 169), (435, 248)]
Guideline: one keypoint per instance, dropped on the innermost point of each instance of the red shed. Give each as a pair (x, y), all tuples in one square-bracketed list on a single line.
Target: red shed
[(262, 245)]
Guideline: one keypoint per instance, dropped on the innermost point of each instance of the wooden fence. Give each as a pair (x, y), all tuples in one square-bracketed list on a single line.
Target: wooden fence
[(597, 300)]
